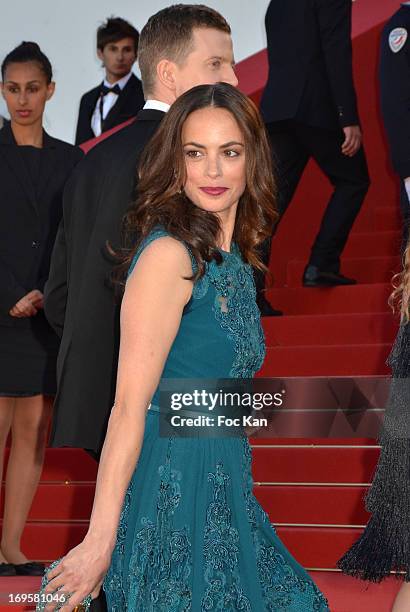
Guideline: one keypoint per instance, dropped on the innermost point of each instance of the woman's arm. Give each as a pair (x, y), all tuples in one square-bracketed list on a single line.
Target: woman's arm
[(151, 311)]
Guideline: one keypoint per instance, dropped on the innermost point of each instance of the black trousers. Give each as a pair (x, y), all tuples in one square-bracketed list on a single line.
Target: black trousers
[(405, 210), (293, 144)]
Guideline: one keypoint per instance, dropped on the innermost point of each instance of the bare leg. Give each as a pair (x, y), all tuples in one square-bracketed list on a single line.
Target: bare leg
[(29, 433), (6, 416), (402, 601)]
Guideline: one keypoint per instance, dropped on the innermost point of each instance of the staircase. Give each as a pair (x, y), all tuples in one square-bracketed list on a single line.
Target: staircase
[(312, 489)]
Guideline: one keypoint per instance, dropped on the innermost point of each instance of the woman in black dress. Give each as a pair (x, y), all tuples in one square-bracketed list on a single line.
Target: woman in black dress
[(33, 170), (384, 546)]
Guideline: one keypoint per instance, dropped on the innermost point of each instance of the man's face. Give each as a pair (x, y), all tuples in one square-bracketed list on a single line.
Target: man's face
[(210, 61), (118, 58)]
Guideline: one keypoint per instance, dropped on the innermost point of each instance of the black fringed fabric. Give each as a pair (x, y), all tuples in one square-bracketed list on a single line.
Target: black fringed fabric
[(384, 546)]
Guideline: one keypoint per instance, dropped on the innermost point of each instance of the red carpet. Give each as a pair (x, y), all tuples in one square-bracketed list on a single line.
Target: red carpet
[(344, 594)]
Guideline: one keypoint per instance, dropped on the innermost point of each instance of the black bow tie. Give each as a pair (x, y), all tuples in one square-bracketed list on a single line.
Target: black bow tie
[(106, 90)]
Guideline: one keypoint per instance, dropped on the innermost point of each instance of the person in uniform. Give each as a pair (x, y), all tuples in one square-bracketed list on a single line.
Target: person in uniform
[(309, 106), (395, 99), (34, 168), (119, 97)]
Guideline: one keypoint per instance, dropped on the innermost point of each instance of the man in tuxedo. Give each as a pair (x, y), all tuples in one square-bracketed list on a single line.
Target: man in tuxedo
[(309, 106), (120, 95), (395, 96), (180, 47)]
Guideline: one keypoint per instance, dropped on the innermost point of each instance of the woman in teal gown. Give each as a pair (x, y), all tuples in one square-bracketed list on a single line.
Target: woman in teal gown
[(190, 534)]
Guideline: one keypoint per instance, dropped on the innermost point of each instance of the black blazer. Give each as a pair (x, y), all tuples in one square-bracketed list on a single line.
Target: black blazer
[(130, 101), (310, 63), (395, 90), (29, 221), (78, 303)]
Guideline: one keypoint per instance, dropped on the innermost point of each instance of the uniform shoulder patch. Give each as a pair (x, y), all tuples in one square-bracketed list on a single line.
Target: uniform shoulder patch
[(397, 39)]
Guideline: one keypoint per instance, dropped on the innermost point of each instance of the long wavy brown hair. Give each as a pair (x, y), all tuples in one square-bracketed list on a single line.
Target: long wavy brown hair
[(400, 298), (161, 201)]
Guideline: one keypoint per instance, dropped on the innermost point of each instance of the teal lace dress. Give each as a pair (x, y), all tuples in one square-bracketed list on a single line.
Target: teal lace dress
[(192, 536)]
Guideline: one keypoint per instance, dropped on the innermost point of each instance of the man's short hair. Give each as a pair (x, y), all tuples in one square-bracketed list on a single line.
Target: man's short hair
[(168, 35), (114, 30)]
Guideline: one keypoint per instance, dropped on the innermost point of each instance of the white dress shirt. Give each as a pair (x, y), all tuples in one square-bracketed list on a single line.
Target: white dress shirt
[(157, 105), (108, 102)]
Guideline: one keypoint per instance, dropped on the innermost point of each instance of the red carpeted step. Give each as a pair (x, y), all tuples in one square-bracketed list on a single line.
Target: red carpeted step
[(268, 441), (67, 465), (16, 589), (362, 328), (47, 540), (351, 299), (346, 594), (337, 360), (317, 505), (62, 502), (319, 464), (373, 244), (318, 547), (363, 269), (387, 218)]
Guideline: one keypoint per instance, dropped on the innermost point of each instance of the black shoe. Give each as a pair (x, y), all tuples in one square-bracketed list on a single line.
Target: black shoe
[(265, 308), (313, 277), (31, 568), (7, 569)]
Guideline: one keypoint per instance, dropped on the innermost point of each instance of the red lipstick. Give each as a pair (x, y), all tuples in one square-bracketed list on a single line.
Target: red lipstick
[(214, 191)]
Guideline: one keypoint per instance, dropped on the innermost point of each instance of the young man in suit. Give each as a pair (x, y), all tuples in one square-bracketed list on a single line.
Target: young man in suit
[(395, 94), (120, 95), (180, 47), (309, 106)]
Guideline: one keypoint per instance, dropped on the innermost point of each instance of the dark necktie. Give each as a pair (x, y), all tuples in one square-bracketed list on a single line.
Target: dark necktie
[(106, 90)]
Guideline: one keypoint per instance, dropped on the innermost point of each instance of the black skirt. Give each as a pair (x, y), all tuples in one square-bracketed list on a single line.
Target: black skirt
[(28, 358), (384, 546)]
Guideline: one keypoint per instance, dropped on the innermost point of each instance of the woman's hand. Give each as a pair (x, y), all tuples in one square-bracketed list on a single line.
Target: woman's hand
[(79, 574), (28, 305)]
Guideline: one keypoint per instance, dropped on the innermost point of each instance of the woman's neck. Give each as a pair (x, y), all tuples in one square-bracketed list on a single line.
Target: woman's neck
[(227, 221), (31, 135)]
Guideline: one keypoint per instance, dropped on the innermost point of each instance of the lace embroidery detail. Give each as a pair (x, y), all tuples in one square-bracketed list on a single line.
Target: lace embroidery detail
[(281, 586), (236, 310), (160, 564), (234, 307), (221, 552), (113, 582)]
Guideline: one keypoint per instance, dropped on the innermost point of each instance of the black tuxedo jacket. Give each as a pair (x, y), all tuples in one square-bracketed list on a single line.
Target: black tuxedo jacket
[(395, 88), (130, 101), (310, 63), (79, 304), (29, 217)]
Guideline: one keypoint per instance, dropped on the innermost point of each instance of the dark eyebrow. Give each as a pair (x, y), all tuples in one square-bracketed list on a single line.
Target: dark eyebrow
[(29, 82), (231, 144), (223, 146)]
